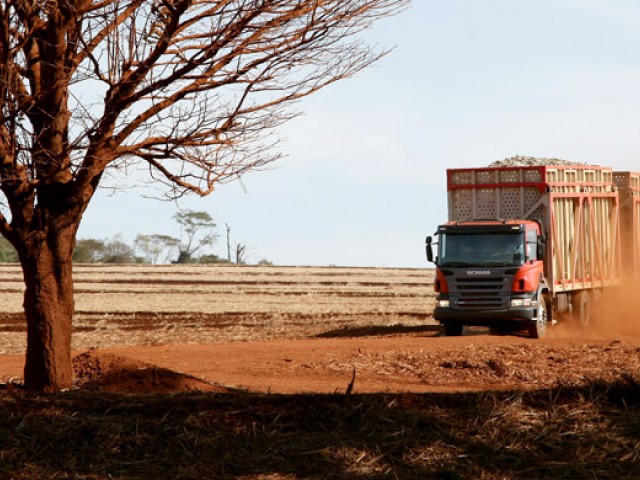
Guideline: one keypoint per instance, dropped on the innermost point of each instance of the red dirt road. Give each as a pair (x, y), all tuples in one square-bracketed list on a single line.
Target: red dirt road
[(417, 363), (397, 364)]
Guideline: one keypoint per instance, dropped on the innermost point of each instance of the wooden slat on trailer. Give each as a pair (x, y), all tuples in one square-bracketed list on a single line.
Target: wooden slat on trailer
[(628, 184)]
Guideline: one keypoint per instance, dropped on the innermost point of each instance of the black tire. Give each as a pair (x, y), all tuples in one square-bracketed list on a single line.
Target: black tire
[(581, 303), (452, 329), (538, 327)]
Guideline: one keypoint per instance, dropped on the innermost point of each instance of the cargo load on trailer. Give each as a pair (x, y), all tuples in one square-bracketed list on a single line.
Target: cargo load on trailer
[(525, 244)]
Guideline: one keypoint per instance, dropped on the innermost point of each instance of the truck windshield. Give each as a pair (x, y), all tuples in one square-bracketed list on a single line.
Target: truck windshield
[(481, 250)]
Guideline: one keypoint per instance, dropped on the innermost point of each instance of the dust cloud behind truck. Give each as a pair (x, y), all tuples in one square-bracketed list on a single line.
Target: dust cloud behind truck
[(526, 244)]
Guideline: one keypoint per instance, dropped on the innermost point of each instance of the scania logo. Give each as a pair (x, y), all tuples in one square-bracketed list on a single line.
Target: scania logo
[(478, 272)]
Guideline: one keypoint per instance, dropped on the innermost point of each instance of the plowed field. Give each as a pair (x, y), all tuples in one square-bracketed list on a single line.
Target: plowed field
[(160, 305)]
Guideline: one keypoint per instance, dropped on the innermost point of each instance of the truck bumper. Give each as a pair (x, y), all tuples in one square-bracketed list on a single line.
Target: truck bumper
[(485, 317)]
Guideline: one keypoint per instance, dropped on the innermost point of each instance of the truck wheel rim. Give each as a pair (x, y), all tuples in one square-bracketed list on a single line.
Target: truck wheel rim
[(542, 317)]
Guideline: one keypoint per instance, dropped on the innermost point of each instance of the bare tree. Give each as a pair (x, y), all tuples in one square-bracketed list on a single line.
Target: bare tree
[(241, 254), (189, 89)]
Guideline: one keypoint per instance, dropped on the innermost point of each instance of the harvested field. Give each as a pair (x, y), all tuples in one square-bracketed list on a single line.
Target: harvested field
[(158, 305), (258, 373)]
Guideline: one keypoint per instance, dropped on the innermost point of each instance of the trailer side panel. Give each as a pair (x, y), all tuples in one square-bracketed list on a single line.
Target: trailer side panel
[(577, 207)]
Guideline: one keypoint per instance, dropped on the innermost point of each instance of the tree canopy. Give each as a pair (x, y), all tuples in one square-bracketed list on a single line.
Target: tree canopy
[(198, 230)]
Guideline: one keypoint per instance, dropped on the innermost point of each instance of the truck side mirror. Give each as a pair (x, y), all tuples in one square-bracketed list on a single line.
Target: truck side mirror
[(541, 247), (429, 250)]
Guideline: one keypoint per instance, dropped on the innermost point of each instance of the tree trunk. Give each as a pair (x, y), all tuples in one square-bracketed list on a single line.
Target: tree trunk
[(48, 304)]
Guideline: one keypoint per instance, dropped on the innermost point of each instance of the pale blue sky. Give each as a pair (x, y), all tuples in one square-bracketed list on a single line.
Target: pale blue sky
[(469, 82)]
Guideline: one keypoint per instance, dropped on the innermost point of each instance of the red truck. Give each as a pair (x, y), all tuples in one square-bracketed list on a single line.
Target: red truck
[(525, 244)]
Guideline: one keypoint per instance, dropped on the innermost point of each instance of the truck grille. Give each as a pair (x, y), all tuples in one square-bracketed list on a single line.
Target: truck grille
[(480, 293)]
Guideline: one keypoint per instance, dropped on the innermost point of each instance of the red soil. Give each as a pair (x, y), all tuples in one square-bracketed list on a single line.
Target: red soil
[(416, 363)]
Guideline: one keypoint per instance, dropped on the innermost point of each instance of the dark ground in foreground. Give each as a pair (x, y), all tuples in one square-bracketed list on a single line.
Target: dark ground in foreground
[(590, 430)]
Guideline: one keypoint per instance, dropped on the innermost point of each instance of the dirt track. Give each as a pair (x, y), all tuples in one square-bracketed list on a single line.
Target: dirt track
[(397, 364), (383, 364)]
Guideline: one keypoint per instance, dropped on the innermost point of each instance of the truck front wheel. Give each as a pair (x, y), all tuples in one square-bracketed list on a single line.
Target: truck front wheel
[(538, 327), (452, 329)]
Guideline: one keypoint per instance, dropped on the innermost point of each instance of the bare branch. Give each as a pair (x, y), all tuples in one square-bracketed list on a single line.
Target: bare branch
[(192, 88)]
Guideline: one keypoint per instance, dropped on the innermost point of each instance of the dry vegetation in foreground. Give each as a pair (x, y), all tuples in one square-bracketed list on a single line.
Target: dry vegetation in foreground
[(591, 431)]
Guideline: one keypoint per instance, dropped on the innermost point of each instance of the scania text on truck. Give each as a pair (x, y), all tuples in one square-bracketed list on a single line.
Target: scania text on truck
[(525, 244)]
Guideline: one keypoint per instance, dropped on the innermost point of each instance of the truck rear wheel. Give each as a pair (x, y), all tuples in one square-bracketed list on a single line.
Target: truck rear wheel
[(452, 329), (581, 302), (538, 327)]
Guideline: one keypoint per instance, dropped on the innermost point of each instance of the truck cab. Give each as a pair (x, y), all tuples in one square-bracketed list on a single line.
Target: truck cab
[(490, 273)]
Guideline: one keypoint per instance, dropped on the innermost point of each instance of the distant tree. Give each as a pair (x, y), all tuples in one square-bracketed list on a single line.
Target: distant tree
[(241, 254), (157, 248), (7, 251), (89, 250), (118, 251), (190, 89), (197, 231), (265, 263)]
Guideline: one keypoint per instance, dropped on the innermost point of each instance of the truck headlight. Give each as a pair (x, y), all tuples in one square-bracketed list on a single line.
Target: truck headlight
[(443, 303), (520, 302)]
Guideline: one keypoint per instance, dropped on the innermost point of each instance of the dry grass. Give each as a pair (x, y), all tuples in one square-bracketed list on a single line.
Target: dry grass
[(591, 431), (528, 365)]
